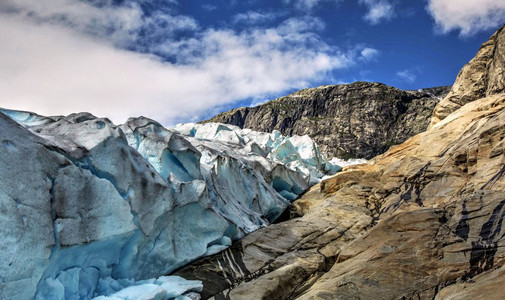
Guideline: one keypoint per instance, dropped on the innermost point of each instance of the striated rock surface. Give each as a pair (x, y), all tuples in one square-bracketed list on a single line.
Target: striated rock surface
[(361, 119), (483, 76), (439, 202), (425, 220)]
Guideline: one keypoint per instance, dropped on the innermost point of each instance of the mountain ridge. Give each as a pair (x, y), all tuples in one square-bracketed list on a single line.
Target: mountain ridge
[(481, 77), (360, 119)]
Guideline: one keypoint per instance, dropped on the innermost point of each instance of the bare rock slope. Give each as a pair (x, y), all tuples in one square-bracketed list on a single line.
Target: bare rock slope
[(361, 119), (424, 220)]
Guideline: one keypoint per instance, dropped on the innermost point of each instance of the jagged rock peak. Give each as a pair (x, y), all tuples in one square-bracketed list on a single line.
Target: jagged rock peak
[(483, 76), (360, 119)]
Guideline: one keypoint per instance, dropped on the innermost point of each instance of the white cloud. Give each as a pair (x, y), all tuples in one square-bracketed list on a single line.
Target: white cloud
[(369, 54), (297, 25), (467, 16), (120, 25), (378, 10), (407, 75), (54, 69)]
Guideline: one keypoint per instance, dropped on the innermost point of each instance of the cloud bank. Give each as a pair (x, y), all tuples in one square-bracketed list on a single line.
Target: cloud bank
[(467, 16), (55, 61)]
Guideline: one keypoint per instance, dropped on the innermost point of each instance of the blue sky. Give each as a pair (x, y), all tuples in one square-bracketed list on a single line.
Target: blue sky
[(185, 60)]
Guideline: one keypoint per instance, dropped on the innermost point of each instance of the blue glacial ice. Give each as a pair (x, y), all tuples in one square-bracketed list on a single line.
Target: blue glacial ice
[(92, 209)]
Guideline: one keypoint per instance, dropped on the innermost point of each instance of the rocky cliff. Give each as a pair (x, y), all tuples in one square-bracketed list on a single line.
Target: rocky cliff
[(422, 221), (483, 76), (361, 119)]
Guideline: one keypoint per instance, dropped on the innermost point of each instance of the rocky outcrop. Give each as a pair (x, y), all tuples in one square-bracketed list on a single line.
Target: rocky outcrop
[(423, 220), (483, 76), (361, 119)]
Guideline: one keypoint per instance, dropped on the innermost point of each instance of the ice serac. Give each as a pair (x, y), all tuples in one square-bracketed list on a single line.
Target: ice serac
[(165, 287), (94, 209), (26, 224), (29, 119)]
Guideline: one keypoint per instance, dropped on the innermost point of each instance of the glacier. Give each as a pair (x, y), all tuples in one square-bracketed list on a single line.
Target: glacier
[(298, 153), (92, 209)]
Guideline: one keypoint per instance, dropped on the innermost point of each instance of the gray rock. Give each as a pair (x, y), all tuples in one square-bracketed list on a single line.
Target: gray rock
[(361, 119)]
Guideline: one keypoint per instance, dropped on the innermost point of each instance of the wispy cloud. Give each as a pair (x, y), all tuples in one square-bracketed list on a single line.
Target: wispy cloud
[(259, 101), (124, 25), (407, 75), (118, 23), (378, 11), (297, 25), (61, 62), (467, 16), (255, 17)]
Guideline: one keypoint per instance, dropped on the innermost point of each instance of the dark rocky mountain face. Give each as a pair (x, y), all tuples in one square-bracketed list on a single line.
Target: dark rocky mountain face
[(361, 119)]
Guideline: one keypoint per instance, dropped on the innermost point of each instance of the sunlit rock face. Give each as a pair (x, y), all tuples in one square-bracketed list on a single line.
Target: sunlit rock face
[(90, 208)]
